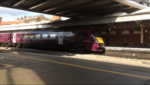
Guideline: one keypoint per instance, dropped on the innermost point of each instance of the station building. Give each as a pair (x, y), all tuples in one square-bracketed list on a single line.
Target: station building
[(135, 33), (118, 36), (30, 19), (134, 29)]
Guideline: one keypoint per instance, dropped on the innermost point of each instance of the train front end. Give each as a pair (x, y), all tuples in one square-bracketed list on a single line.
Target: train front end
[(98, 44)]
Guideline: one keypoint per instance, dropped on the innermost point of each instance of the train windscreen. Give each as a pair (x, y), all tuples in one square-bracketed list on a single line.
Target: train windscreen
[(95, 33)]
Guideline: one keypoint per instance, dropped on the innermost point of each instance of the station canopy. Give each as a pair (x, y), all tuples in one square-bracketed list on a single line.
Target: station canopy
[(76, 8)]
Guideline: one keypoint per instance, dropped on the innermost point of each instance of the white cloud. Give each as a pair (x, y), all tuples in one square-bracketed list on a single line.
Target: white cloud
[(13, 12), (6, 17)]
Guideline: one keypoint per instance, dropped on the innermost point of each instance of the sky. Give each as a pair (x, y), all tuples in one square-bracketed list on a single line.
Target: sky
[(9, 14)]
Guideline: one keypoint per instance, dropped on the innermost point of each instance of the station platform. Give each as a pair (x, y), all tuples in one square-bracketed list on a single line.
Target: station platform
[(141, 54), (128, 49), (21, 67)]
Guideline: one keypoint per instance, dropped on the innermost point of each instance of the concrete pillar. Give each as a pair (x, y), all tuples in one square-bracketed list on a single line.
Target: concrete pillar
[(142, 32), (142, 35)]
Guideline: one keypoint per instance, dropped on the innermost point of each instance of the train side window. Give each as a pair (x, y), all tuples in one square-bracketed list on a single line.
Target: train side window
[(45, 36), (66, 34), (25, 37), (38, 36), (0, 35), (72, 34), (31, 37), (86, 34), (52, 36), (69, 34)]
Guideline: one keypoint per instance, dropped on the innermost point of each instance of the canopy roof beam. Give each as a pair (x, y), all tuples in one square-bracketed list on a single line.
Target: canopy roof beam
[(113, 6), (58, 5), (40, 4), (19, 2)]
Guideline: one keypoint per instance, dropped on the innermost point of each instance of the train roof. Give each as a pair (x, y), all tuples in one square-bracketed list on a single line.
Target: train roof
[(43, 31)]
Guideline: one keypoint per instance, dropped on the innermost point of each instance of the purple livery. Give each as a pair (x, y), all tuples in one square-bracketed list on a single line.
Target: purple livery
[(81, 40)]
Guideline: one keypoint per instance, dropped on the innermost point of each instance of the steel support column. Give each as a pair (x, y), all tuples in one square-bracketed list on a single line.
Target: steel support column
[(142, 32), (142, 36)]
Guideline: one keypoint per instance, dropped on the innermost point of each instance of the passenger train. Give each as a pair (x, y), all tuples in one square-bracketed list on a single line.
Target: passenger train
[(80, 40)]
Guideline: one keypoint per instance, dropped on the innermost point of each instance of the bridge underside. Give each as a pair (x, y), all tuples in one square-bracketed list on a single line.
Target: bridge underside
[(72, 8)]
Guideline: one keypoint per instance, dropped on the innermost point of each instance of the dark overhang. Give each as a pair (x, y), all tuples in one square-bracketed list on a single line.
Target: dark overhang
[(74, 8), (103, 20)]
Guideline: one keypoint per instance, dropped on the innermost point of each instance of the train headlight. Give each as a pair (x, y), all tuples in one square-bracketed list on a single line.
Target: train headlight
[(101, 45), (95, 40)]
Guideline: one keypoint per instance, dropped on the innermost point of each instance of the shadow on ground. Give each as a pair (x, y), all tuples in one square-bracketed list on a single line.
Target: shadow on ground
[(17, 70)]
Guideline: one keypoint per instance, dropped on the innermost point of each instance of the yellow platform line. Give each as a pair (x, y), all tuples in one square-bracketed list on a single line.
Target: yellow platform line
[(84, 67)]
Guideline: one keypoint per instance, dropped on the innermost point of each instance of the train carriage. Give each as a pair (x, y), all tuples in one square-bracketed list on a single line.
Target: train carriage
[(81, 40)]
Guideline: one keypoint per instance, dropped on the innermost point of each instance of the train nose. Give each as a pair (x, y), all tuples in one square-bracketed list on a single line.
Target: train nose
[(101, 45)]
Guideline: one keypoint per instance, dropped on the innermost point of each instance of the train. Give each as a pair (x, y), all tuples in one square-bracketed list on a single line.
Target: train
[(71, 40)]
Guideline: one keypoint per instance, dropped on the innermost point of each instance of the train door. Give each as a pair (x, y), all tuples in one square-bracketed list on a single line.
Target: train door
[(60, 38), (79, 38), (14, 37), (85, 38), (10, 37), (5, 38)]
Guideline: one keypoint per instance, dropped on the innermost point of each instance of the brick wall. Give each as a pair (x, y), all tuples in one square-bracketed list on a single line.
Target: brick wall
[(116, 37), (12, 22), (21, 18), (25, 16)]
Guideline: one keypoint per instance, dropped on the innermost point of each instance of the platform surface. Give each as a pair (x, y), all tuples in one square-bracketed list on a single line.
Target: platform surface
[(31, 68)]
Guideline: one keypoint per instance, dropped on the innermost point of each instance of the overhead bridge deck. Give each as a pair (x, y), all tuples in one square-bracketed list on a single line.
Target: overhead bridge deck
[(76, 8), (103, 21)]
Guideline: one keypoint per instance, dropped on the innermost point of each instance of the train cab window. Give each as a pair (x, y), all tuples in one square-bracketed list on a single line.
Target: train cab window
[(45, 36), (85, 34)]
